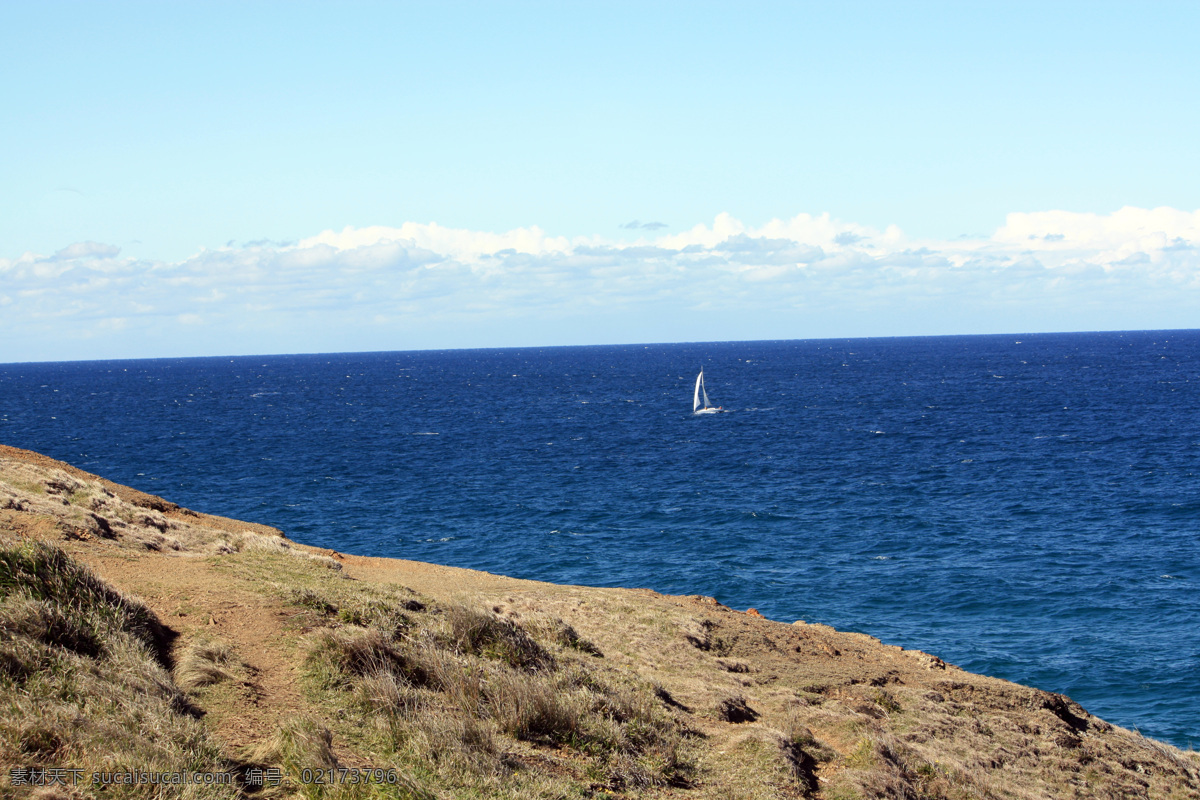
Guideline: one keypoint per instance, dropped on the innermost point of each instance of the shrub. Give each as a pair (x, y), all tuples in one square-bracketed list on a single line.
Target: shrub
[(484, 634), (562, 634), (337, 657), (531, 708)]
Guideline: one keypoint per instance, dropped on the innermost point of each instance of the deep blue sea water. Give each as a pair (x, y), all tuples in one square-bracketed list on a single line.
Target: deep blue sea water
[(1022, 506)]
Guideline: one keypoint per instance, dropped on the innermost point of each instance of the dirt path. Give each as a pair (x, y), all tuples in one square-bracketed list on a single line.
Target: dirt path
[(193, 599)]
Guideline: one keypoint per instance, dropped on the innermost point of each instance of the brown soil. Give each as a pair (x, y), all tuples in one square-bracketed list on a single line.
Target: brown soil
[(193, 599)]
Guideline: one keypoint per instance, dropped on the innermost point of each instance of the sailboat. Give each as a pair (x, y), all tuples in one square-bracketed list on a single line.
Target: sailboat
[(700, 404)]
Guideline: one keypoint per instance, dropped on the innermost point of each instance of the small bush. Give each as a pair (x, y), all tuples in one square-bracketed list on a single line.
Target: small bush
[(531, 708), (484, 634), (383, 692), (337, 657), (562, 634), (310, 599)]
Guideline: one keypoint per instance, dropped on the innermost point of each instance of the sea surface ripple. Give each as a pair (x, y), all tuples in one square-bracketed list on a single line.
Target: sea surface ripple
[(1022, 506)]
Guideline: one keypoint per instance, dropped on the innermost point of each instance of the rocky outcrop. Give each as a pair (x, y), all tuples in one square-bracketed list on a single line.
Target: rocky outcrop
[(42, 498)]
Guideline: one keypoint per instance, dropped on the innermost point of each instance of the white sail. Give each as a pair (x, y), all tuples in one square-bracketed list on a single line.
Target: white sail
[(700, 404)]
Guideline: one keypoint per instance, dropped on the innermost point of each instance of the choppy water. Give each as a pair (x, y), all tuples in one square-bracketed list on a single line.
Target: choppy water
[(1022, 506)]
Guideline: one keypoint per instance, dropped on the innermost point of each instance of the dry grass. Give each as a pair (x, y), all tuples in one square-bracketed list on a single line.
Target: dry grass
[(466, 694), (382, 692), (81, 684), (205, 661), (465, 746), (801, 752), (85, 507), (482, 633), (531, 708), (339, 656), (556, 631), (305, 747), (298, 745), (43, 572), (465, 701), (885, 767)]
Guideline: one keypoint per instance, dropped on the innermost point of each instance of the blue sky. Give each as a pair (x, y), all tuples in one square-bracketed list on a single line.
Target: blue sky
[(219, 178)]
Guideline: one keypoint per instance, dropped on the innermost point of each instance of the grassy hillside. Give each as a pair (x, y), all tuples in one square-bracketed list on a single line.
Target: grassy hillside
[(139, 637)]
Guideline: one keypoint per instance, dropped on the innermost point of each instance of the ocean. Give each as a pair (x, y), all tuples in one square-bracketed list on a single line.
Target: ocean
[(1023, 506)]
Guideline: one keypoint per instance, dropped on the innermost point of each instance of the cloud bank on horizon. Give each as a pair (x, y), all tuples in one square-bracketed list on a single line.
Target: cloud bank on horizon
[(426, 286)]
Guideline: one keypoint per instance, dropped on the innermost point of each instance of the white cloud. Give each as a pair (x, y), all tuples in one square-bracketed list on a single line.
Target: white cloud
[(702, 235), (87, 250), (786, 278), (1127, 230), (450, 242)]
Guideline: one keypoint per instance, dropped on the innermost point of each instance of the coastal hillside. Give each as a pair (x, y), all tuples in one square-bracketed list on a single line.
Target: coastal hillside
[(147, 650)]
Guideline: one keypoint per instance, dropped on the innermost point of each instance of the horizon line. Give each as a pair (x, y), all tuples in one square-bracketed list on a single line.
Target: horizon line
[(606, 344)]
